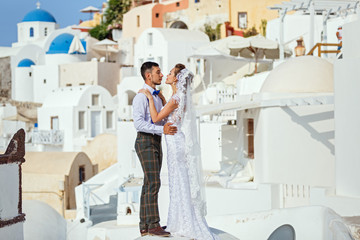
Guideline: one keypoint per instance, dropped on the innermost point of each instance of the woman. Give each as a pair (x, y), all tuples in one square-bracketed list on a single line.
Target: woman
[(187, 205)]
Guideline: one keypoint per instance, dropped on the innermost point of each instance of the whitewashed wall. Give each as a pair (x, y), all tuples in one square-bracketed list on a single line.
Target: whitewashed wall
[(67, 108), (347, 114), (39, 32), (127, 90), (46, 79), (23, 84), (64, 58), (295, 145)]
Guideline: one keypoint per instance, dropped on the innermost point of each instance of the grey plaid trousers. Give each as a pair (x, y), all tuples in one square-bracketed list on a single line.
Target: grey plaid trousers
[(148, 149)]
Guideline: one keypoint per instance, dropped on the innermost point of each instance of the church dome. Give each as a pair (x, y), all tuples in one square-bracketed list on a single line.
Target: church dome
[(306, 74), (61, 44), (25, 63), (39, 15)]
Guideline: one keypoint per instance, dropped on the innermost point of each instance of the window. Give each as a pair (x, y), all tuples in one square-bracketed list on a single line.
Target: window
[(150, 39), (45, 32), (81, 120), (44, 81), (81, 84), (157, 15), (250, 137), (68, 84), (31, 32), (160, 61), (54, 123), (81, 174), (30, 74), (198, 65), (177, 4), (242, 20), (95, 100), (138, 20), (109, 119)]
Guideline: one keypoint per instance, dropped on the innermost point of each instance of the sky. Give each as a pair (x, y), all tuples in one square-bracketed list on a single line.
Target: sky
[(66, 12)]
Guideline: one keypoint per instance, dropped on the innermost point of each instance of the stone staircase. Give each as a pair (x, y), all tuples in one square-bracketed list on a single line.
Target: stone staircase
[(105, 212)]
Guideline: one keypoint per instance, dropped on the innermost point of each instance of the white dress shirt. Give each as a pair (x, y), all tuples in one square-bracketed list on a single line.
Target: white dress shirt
[(141, 113)]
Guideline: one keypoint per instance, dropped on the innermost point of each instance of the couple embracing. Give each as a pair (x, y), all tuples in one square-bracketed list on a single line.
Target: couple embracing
[(153, 116)]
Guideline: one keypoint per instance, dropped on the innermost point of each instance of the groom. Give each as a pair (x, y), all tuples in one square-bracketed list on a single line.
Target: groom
[(148, 149)]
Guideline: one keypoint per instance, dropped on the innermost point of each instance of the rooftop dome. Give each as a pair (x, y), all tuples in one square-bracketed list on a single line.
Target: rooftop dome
[(26, 63), (39, 15), (45, 225), (179, 24), (61, 44), (301, 75)]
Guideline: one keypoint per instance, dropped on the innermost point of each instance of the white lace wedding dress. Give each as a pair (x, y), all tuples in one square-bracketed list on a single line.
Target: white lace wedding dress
[(185, 216)]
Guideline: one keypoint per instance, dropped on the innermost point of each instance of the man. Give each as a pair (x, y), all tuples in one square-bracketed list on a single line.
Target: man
[(339, 37), (148, 149)]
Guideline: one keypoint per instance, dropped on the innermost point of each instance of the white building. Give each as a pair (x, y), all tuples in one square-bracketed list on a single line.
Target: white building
[(167, 47), (45, 58), (35, 58), (35, 27), (344, 198), (74, 115)]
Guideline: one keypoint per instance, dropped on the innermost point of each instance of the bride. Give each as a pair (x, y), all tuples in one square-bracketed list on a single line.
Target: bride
[(187, 205)]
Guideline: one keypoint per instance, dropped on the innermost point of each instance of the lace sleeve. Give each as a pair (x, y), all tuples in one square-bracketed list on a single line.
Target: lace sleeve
[(175, 99)]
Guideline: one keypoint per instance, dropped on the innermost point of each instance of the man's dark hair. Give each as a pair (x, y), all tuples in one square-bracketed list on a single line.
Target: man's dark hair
[(147, 66)]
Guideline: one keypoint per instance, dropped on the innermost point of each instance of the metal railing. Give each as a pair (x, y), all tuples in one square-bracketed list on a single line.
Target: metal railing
[(226, 96), (87, 193), (50, 137)]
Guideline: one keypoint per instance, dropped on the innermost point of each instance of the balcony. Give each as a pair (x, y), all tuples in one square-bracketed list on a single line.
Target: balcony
[(48, 137)]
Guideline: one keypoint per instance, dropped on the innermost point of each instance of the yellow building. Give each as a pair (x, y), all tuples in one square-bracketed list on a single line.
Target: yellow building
[(189, 14), (234, 16), (245, 14), (51, 177), (94, 22)]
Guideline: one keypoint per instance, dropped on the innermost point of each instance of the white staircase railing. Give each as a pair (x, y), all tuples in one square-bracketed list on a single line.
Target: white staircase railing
[(88, 192), (97, 190), (50, 137)]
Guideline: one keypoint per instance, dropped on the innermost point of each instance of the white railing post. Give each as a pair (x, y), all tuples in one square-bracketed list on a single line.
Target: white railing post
[(87, 191)]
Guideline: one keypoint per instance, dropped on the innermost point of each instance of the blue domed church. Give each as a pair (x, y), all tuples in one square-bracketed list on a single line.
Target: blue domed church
[(35, 58), (35, 26)]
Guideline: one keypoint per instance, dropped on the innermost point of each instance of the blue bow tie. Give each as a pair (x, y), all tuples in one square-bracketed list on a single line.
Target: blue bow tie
[(156, 92)]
